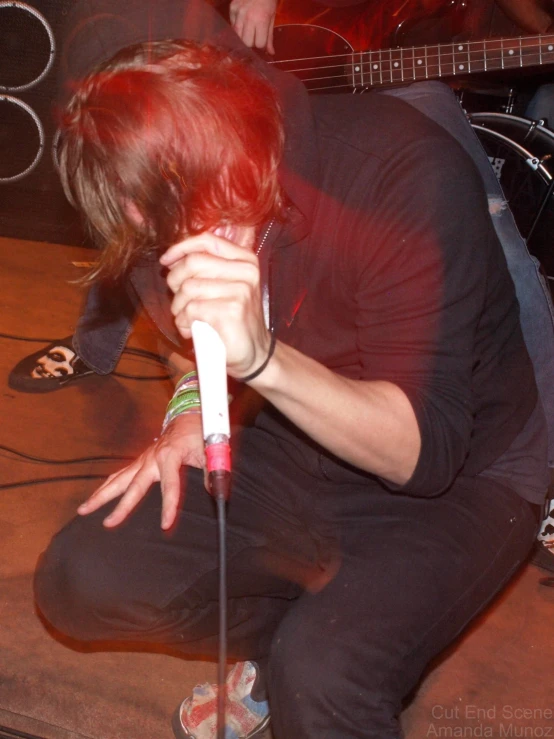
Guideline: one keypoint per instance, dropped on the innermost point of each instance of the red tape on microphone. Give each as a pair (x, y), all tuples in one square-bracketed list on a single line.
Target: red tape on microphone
[(218, 457)]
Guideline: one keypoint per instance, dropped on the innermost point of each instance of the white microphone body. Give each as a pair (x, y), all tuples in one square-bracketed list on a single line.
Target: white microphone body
[(211, 365)]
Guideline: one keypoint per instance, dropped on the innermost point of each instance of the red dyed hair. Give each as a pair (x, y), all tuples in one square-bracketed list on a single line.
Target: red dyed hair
[(169, 139)]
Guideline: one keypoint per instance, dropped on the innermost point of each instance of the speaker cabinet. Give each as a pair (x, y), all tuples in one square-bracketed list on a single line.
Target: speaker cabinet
[(32, 203)]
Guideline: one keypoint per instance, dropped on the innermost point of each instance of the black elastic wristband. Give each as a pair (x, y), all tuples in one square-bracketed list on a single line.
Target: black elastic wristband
[(263, 365)]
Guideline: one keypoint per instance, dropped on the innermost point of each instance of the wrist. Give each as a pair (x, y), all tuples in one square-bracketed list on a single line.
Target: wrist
[(268, 378), (185, 400), (261, 366)]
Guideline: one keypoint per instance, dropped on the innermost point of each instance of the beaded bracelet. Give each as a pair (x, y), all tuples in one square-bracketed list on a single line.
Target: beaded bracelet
[(186, 399), (188, 380)]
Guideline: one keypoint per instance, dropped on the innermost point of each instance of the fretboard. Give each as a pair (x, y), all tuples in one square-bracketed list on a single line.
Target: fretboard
[(393, 66)]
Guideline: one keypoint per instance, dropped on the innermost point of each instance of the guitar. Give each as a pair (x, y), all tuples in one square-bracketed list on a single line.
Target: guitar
[(327, 62)]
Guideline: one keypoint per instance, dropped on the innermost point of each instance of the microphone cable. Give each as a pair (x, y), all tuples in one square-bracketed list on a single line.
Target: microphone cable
[(221, 501), (211, 366), (218, 455)]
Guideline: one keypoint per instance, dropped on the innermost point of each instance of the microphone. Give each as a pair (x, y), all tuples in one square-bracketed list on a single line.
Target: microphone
[(212, 376), (211, 363)]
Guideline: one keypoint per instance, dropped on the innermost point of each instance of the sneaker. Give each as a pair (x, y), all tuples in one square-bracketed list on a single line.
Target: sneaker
[(543, 555), (51, 368), (196, 717)]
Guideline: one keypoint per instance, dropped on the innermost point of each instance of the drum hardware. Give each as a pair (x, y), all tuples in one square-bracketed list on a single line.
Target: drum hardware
[(520, 151), (475, 98), (508, 107)]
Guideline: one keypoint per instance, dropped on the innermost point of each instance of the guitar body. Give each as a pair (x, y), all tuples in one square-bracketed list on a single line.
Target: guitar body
[(379, 24), (296, 45), (309, 30)]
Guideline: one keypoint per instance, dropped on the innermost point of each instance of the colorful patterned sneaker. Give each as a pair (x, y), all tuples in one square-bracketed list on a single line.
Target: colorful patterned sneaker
[(196, 717), (543, 555), (50, 368)]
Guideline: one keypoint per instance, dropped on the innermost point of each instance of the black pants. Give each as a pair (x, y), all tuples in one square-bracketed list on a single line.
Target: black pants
[(346, 589)]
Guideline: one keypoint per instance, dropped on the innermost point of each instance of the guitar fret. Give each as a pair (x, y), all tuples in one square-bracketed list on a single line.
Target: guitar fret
[(394, 66), (462, 59), (402, 65), (358, 71)]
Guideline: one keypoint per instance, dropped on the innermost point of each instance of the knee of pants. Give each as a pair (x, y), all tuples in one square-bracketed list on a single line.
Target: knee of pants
[(333, 687), (80, 592)]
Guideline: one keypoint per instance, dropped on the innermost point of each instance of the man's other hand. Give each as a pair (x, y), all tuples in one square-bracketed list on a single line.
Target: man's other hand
[(253, 21), (180, 444)]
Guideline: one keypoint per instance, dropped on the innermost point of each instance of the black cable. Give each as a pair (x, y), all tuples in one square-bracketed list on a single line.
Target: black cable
[(16, 337), (77, 460), (7, 733), (41, 480), (144, 354), (222, 657)]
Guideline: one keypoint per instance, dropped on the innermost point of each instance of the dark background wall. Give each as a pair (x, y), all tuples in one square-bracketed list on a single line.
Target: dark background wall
[(32, 203)]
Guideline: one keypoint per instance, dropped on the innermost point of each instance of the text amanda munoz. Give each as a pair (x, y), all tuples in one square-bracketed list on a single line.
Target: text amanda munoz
[(493, 721)]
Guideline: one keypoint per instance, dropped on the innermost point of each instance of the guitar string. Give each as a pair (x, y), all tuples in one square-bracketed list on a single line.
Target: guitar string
[(480, 46)]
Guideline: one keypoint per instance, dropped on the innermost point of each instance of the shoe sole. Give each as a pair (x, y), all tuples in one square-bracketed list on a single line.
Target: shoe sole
[(180, 732)]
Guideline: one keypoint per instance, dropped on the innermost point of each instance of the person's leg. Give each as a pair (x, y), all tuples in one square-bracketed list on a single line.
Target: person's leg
[(138, 583), (438, 102), (104, 327), (413, 573)]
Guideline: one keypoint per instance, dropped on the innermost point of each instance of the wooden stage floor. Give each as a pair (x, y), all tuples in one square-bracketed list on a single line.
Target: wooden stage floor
[(495, 682)]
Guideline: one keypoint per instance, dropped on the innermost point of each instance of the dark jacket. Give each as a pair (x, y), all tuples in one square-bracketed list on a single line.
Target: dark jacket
[(387, 266)]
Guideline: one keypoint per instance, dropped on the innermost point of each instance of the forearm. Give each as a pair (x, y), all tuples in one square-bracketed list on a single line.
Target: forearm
[(370, 424)]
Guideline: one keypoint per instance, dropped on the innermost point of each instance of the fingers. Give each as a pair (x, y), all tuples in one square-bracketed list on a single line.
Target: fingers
[(181, 444), (133, 482), (171, 489), (204, 266), (213, 288), (253, 22), (134, 494), (269, 42), (210, 243), (115, 485)]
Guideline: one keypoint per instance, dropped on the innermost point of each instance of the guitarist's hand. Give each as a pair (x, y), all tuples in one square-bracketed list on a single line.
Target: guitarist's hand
[(253, 21)]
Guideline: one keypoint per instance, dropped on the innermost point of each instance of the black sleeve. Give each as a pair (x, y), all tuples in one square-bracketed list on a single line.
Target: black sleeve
[(421, 295)]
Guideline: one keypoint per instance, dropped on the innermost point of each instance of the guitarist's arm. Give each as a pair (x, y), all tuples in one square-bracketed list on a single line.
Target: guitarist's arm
[(536, 16)]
